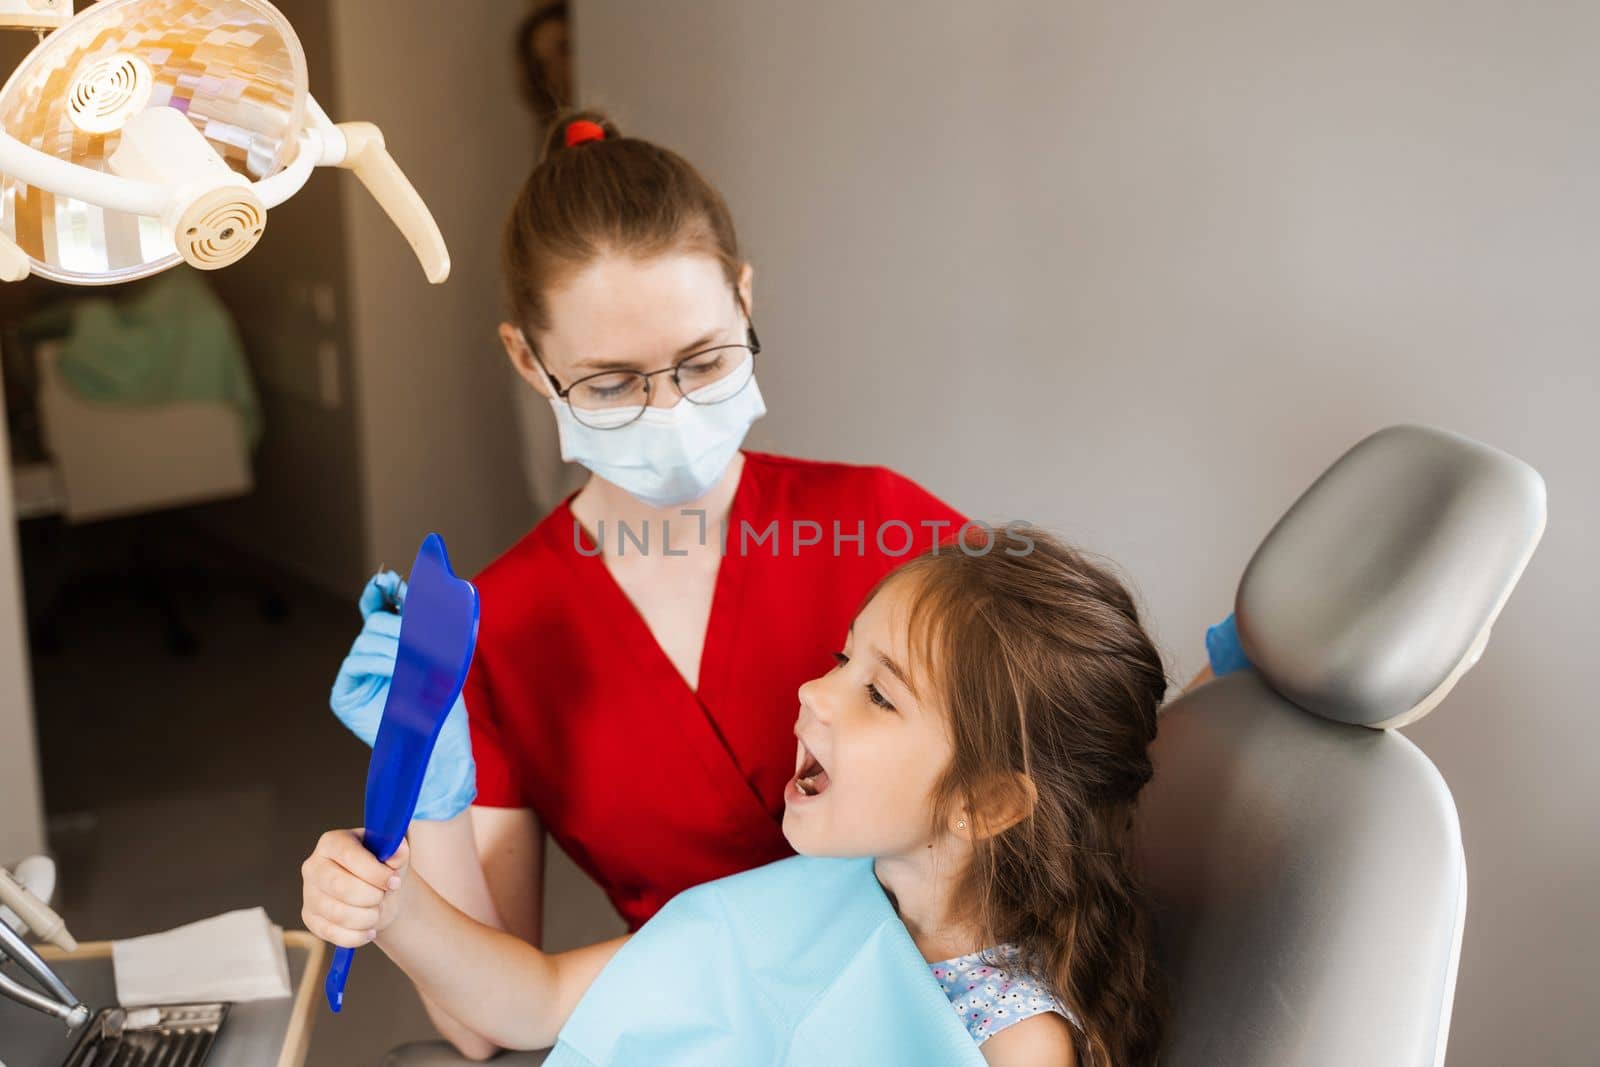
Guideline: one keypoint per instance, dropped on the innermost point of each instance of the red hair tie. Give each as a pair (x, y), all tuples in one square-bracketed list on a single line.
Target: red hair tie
[(581, 130)]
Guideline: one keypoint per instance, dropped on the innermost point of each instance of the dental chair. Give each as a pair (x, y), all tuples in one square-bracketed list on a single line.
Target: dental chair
[(1303, 857)]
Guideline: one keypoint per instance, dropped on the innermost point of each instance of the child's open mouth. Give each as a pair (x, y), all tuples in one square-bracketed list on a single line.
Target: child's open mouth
[(810, 778)]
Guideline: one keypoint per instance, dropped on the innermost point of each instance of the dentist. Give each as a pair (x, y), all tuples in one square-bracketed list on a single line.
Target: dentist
[(639, 650)]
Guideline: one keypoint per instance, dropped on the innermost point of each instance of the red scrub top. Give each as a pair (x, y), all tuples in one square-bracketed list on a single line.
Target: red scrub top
[(577, 713)]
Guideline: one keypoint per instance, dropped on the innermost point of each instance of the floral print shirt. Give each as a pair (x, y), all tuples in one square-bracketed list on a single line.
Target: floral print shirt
[(990, 995)]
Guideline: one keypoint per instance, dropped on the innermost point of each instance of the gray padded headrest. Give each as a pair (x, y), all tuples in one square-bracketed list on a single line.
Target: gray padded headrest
[(1375, 592)]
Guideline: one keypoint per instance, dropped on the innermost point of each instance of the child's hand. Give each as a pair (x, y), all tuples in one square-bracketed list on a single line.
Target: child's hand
[(349, 895)]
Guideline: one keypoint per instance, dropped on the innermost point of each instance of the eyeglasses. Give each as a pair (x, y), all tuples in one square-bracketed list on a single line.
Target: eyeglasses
[(612, 399)]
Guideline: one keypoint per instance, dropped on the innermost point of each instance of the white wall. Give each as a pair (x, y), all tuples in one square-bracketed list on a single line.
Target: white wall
[(438, 440), (1140, 271)]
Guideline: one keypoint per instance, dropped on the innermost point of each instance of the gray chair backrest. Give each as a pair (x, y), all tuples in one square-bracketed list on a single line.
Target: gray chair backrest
[(1304, 859)]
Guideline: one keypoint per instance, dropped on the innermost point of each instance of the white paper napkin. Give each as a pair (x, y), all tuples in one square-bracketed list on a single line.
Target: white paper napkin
[(237, 957)]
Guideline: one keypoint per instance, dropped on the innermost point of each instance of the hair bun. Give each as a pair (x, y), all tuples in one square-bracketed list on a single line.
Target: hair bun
[(574, 128)]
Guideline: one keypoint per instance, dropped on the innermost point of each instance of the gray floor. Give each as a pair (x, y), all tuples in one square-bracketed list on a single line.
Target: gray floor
[(181, 788)]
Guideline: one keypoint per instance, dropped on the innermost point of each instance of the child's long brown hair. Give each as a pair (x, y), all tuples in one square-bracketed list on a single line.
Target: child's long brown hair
[(1049, 678)]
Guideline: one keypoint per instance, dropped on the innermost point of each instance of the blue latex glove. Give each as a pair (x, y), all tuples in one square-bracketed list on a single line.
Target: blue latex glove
[(362, 688), (363, 682), (1223, 648)]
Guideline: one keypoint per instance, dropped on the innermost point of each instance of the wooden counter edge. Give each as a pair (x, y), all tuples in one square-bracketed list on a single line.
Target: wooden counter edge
[(297, 1039)]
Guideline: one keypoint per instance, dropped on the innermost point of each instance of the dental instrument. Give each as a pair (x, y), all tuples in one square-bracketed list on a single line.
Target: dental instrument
[(34, 913), (384, 591), (56, 999), (178, 1035), (141, 134), (438, 633)]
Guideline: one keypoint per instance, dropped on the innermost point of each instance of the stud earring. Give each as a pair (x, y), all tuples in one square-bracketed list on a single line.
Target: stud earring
[(961, 824)]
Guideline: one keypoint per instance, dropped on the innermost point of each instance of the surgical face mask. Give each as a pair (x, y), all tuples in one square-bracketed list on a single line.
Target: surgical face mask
[(668, 456)]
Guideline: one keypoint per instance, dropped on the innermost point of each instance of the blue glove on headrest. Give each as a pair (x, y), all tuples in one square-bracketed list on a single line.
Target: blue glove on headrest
[(1223, 648)]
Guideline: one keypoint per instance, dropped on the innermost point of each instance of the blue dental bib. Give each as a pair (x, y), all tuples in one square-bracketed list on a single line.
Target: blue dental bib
[(802, 961)]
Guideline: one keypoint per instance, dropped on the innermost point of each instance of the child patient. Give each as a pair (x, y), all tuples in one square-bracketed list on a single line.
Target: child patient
[(982, 738)]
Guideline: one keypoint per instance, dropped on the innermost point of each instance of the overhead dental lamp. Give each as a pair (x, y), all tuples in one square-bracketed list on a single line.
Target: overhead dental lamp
[(141, 134)]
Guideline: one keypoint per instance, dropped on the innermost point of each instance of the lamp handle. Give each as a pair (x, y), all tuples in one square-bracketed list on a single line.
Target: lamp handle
[(366, 155)]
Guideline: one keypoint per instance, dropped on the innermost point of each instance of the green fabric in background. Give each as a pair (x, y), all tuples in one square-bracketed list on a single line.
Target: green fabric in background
[(169, 340)]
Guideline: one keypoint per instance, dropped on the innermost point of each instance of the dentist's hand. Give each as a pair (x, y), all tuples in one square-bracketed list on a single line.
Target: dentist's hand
[(348, 895), (362, 688), (1223, 648), (363, 682)]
